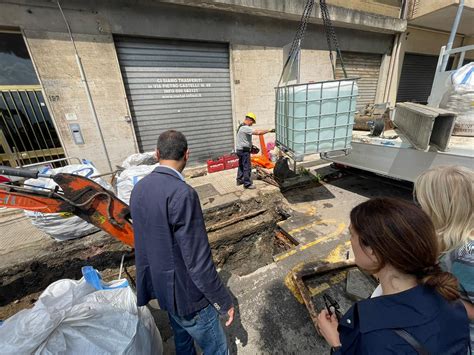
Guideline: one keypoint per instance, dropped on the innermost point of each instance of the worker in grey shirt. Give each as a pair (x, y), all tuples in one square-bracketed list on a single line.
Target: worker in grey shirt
[(243, 146)]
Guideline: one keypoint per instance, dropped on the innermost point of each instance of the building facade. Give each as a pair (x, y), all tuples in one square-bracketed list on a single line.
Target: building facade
[(418, 48), (132, 69)]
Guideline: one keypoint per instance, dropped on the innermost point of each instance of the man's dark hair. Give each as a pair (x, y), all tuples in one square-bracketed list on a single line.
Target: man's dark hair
[(172, 145)]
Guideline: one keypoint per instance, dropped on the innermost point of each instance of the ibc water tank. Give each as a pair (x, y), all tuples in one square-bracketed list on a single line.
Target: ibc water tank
[(316, 117)]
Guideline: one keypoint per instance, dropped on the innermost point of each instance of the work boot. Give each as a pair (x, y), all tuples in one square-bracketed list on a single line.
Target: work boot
[(250, 187)]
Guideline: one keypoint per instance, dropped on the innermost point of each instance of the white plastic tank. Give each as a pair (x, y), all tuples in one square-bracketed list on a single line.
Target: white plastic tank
[(316, 117)]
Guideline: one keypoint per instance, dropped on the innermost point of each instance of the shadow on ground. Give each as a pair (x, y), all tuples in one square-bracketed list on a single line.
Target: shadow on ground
[(285, 326), (309, 194), (365, 183), (236, 333)]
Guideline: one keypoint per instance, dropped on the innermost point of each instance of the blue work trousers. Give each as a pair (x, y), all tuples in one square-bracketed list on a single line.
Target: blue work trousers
[(202, 326), (245, 168)]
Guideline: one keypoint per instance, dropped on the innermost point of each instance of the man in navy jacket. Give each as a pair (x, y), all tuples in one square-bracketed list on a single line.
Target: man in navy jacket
[(172, 253)]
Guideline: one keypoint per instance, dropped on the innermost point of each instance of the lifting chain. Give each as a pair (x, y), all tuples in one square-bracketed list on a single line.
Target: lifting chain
[(296, 44), (331, 37), (328, 30), (308, 9)]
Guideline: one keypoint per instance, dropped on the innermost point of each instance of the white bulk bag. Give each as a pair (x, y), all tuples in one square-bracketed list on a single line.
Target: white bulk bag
[(459, 97), (148, 158), (129, 177), (63, 226), (82, 317)]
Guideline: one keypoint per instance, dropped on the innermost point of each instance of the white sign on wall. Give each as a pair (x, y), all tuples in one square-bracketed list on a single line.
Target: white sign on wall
[(71, 116)]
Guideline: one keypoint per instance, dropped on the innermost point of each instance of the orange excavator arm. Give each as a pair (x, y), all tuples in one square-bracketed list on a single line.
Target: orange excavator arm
[(11, 198), (78, 195)]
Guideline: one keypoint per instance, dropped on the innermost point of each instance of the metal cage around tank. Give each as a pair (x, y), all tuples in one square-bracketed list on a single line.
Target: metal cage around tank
[(316, 117)]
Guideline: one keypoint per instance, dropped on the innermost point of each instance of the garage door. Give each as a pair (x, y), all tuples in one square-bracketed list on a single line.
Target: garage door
[(416, 78), (366, 67), (179, 85)]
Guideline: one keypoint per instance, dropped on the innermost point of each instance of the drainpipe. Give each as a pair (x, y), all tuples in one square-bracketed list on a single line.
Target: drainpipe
[(404, 10), (87, 89), (391, 66), (452, 36)]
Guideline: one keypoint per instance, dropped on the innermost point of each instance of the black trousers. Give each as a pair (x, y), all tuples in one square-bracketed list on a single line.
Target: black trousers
[(245, 167)]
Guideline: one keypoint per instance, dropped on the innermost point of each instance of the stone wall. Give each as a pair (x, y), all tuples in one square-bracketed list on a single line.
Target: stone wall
[(54, 58)]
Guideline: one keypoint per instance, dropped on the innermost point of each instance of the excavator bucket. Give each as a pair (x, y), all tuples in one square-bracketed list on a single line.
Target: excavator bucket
[(98, 206)]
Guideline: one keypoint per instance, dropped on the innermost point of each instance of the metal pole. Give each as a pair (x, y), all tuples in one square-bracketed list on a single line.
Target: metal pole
[(454, 29), (87, 89)]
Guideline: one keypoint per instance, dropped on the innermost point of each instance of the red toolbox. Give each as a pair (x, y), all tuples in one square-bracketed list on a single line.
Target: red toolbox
[(214, 166), (231, 161)]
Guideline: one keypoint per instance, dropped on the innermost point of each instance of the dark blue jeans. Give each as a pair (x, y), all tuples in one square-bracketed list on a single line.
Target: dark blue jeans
[(202, 326), (245, 168)]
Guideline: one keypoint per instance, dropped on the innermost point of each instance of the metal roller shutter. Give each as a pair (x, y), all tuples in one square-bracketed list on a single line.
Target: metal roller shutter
[(179, 85), (367, 68), (416, 78)]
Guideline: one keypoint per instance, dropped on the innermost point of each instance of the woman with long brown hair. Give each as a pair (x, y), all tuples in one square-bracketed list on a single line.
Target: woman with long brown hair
[(419, 309)]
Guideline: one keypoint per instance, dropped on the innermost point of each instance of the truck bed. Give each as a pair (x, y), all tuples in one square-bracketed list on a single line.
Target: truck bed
[(396, 158)]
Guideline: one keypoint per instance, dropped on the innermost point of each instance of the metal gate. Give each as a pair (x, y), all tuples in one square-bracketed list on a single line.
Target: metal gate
[(179, 85), (27, 133), (365, 66)]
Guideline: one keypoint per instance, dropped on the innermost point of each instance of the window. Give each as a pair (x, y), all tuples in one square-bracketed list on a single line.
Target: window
[(16, 67)]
